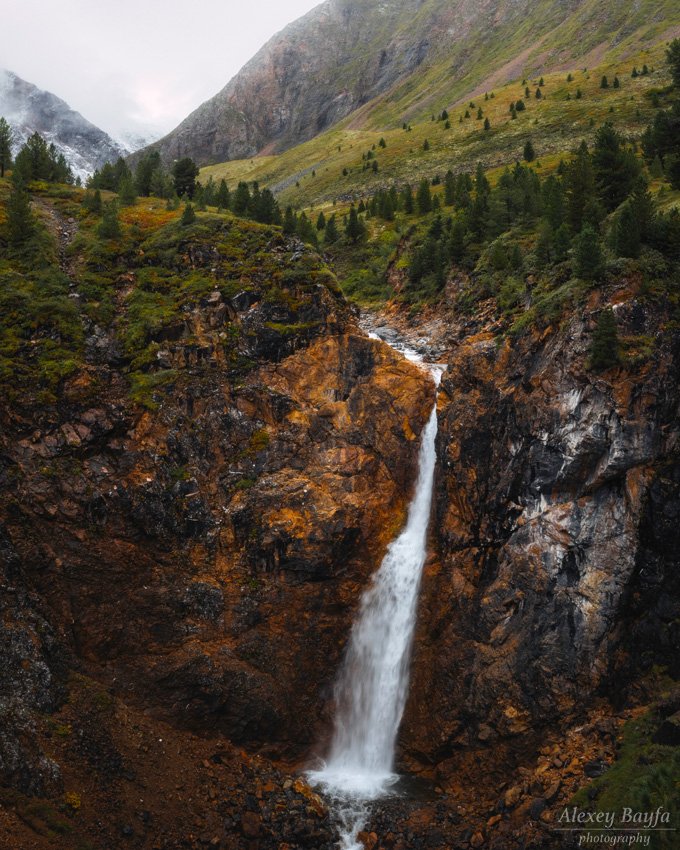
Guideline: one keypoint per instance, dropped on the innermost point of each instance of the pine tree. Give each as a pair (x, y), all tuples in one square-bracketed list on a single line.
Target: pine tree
[(289, 221), (604, 82), (223, 200), (426, 145), (616, 168), (355, 229), (185, 172), (480, 114), (407, 195), (449, 188), (520, 106), (529, 153), (331, 235), (627, 232), (382, 143), (487, 125), (188, 215), (241, 200), (544, 245), (570, 79), (538, 94), (6, 138), (540, 82), (587, 254), (144, 172), (110, 226), (561, 243), (20, 222), (457, 241), (424, 198), (578, 94), (634, 73), (527, 92), (580, 186), (321, 221), (126, 192), (617, 84), (604, 350)]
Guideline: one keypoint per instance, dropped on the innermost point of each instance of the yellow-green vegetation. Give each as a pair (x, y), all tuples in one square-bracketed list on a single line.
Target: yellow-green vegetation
[(554, 123), (643, 777), (140, 278)]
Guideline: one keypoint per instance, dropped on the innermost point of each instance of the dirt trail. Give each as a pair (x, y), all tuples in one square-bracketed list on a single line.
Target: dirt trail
[(64, 230)]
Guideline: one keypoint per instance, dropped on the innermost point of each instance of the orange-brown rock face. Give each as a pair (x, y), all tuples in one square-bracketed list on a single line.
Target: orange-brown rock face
[(208, 564), (556, 507)]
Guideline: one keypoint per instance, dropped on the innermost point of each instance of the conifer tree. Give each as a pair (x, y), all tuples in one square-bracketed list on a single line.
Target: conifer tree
[(241, 199), (587, 254), (126, 191), (561, 243), (487, 125), (185, 172), (110, 225), (355, 229), (538, 94), (449, 188), (424, 198), (604, 350), (529, 153), (6, 138), (321, 221), (223, 199), (188, 215), (331, 235), (604, 82), (627, 237), (480, 114), (20, 222), (289, 221), (617, 84), (426, 145), (616, 168), (407, 196)]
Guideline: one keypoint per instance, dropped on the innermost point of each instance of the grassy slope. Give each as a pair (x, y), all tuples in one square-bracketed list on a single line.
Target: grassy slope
[(553, 124)]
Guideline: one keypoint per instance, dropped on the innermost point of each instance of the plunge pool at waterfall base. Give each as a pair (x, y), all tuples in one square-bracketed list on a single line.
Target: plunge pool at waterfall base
[(360, 802)]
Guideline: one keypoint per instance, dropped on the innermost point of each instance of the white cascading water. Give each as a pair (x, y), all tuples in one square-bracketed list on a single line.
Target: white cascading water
[(372, 685)]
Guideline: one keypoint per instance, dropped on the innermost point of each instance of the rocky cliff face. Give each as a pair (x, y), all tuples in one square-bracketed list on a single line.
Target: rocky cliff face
[(196, 559), (29, 110), (555, 580)]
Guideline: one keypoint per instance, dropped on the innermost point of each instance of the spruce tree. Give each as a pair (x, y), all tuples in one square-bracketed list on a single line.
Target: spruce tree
[(529, 153), (110, 225), (487, 125), (289, 221), (355, 229), (407, 195), (627, 236), (223, 199), (587, 254), (424, 198), (241, 201), (6, 138), (617, 84), (185, 172), (604, 350), (126, 192), (616, 168), (449, 188), (604, 82), (188, 215), (321, 222), (20, 222), (331, 235)]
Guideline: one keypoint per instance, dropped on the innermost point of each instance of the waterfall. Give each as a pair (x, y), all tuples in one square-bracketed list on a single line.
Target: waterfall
[(372, 684)]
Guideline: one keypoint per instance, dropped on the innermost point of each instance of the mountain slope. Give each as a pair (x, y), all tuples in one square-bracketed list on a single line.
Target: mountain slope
[(29, 109), (397, 59)]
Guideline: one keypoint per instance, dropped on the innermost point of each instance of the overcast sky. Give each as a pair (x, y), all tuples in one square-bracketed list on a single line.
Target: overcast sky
[(128, 65)]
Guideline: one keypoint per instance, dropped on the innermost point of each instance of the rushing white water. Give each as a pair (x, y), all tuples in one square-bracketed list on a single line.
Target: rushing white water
[(372, 685)]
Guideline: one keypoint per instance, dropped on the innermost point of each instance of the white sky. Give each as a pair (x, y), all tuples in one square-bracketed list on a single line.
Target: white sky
[(132, 65)]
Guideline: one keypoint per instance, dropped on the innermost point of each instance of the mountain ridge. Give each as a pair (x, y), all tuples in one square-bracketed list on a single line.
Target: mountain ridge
[(380, 63), (29, 109)]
